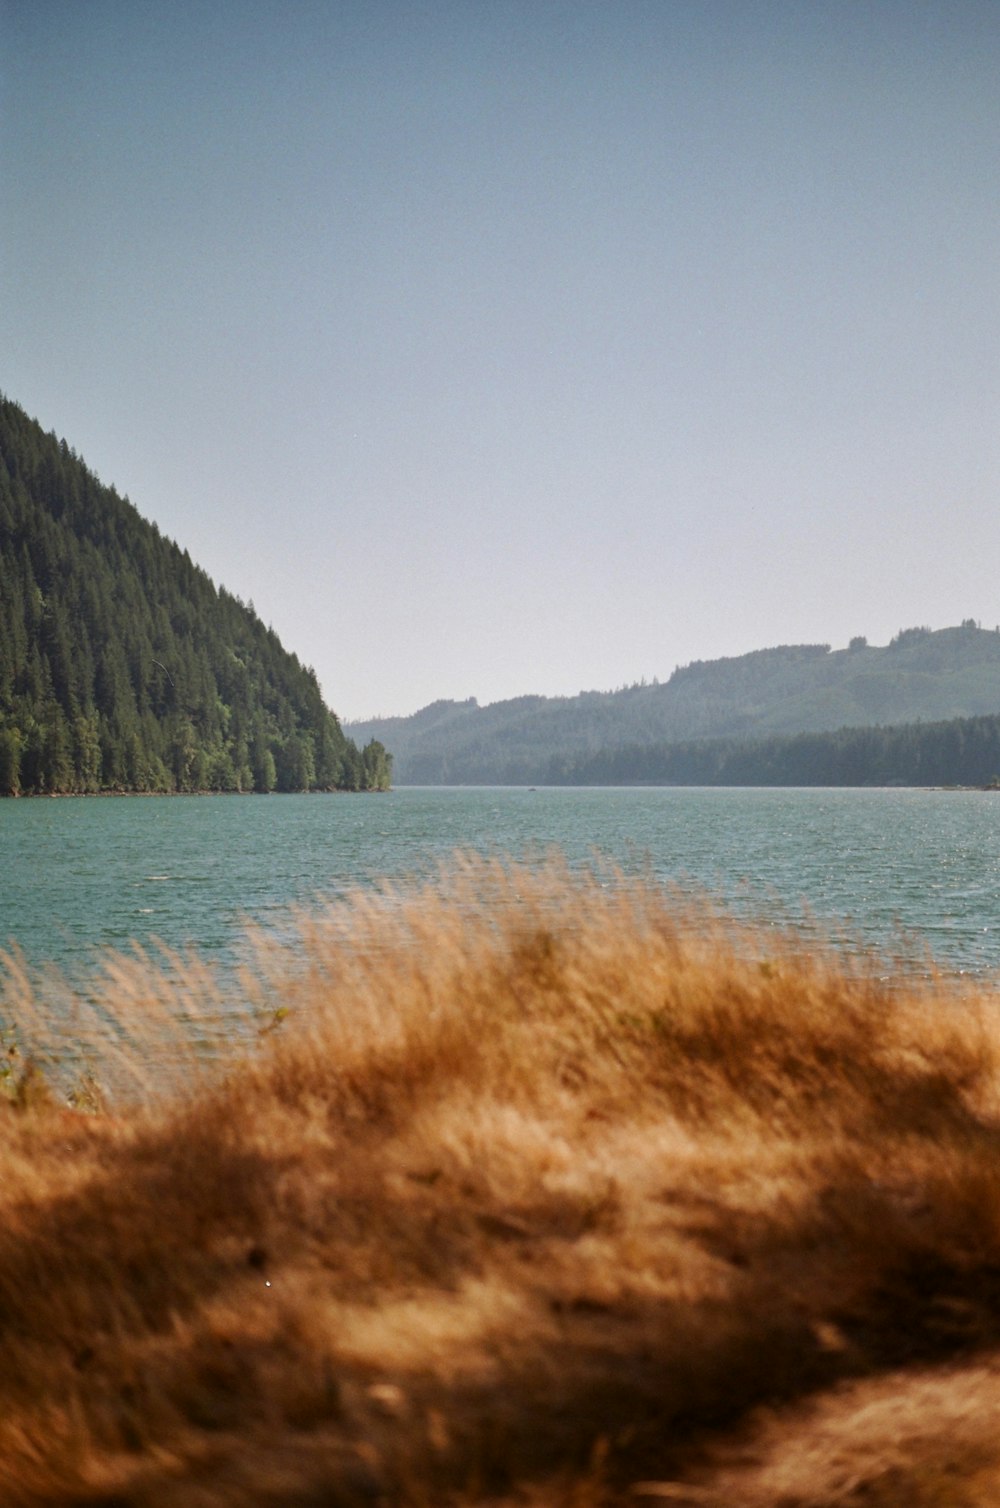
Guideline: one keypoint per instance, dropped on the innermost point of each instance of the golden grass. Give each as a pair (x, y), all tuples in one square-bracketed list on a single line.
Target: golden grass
[(534, 1191)]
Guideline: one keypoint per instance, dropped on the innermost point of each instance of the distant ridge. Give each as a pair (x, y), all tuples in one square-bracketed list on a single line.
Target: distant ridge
[(922, 676), (123, 668)]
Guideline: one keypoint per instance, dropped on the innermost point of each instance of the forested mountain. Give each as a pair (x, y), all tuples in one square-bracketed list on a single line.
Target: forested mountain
[(122, 667), (921, 676)]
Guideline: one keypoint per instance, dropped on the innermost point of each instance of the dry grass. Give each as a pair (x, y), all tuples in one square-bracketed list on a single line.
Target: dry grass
[(537, 1192)]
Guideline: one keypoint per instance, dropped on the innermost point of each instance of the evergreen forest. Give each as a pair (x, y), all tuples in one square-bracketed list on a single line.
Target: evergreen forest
[(963, 751), (123, 668)]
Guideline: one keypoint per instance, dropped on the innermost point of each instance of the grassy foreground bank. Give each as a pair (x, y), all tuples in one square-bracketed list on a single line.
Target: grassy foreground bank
[(541, 1193)]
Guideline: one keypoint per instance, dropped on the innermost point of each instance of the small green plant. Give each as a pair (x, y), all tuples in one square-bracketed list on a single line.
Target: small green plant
[(272, 1020), (87, 1095), (10, 1064)]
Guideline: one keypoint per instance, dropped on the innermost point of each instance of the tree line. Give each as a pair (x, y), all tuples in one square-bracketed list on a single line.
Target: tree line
[(124, 668), (959, 751)]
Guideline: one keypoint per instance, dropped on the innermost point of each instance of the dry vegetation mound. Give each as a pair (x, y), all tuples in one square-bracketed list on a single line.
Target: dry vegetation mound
[(535, 1191)]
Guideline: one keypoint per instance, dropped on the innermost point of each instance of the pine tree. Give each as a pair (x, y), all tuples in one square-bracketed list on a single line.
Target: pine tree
[(121, 665)]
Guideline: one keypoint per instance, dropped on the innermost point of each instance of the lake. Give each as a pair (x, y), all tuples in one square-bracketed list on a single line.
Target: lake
[(80, 874)]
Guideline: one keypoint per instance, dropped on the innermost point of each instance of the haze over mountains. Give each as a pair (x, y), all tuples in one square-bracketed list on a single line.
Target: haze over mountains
[(920, 677)]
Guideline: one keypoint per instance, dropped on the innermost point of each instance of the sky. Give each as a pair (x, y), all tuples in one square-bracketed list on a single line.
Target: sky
[(504, 346)]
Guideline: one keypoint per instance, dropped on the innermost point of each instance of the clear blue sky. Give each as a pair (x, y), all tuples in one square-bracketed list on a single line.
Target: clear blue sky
[(503, 346)]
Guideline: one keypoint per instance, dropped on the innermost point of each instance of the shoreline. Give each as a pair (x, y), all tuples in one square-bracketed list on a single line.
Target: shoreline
[(65, 795)]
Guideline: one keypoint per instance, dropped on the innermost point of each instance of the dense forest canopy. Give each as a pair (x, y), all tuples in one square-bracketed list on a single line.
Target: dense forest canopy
[(920, 677), (961, 751), (123, 668)]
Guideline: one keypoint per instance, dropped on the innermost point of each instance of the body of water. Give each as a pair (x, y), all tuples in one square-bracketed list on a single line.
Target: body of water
[(81, 874)]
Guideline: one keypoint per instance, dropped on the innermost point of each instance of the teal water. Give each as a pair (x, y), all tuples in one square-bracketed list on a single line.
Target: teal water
[(79, 874)]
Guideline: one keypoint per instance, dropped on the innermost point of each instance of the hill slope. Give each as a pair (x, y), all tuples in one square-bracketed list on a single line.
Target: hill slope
[(804, 688), (122, 667)]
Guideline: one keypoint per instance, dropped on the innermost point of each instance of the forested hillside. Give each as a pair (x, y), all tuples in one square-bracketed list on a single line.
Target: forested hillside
[(921, 676), (961, 751), (122, 667)]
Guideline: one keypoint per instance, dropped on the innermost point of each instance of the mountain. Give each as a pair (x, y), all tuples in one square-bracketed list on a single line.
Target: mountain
[(921, 676), (123, 668)]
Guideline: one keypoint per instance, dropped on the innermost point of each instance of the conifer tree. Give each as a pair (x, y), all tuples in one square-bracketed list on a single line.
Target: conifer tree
[(122, 667)]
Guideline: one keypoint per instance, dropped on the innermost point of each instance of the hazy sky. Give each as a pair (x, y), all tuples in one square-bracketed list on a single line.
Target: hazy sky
[(496, 346)]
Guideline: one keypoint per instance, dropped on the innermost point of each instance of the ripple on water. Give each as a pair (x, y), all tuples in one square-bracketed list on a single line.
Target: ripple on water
[(892, 862)]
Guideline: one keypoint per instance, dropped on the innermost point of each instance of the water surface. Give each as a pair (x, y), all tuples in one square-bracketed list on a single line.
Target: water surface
[(79, 874)]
